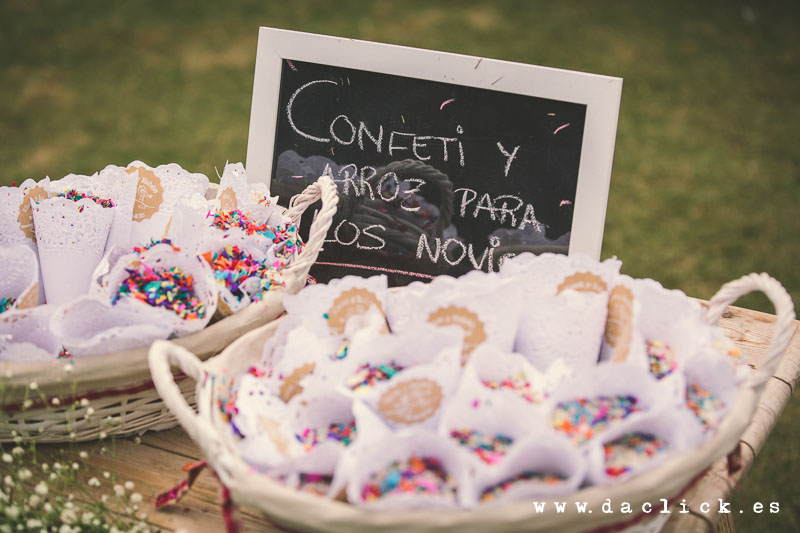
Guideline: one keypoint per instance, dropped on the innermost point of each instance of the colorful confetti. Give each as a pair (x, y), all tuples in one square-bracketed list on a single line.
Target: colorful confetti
[(630, 451), (519, 385), (662, 361), (233, 267), (343, 433), (170, 289), (142, 249), (285, 236), (63, 353), (489, 448), (368, 375), (493, 491), (705, 405), (6, 303), (75, 196), (341, 353), (582, 418), (416, 475)]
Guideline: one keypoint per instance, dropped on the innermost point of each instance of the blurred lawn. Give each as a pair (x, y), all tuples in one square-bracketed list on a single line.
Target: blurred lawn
[(706, 173)]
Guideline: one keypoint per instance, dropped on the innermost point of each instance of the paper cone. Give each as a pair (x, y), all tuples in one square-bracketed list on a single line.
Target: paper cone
[(158, 191), (21, 279), (71, 237), (16, 217)]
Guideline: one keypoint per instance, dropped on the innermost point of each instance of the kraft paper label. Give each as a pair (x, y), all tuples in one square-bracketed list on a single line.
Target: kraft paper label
[(352, 302), (411, 402), (619, 324), (149, 194), (273, 431), (291, 383), (583, 282), (25, 218), (474, 332), (227, 199), (29, 298)]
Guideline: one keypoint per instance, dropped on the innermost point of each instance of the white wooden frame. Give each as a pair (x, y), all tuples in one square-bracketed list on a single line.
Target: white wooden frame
[(601, 94)]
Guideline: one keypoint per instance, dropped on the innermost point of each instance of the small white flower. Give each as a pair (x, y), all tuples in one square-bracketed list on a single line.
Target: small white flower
[(137, 440), (104, 498), (8, 481), (41, 488), (17, 450), (86, 518), (94, 482), (32, 523), (84, 455), (84, 402), (12, 512), (57, 466), (95, 522), (64, 529), (75, 466), (136, 498), (7, 458), (25, 474), (47, 507), (53, 476), (72, 435), (89, 411), (33, 385), (106, 474), (55, 401), (27, 403), (129, 485), (45, 467), (119, 490), (102, 435), (68, 368), (34, 500)]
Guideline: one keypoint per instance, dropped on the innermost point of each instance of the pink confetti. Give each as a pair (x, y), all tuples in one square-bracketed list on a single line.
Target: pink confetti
[(291, 65), (561, 127), (564, 202), (445, 103)]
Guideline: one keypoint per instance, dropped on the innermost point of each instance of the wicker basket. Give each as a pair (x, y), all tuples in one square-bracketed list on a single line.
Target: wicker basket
[(303, 511), (118, 385)]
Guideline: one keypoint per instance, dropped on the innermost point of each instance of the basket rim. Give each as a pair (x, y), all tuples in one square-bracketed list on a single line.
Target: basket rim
[(281, 503)]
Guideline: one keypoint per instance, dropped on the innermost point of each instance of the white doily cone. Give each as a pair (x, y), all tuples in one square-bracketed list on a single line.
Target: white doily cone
[(21, 278), (71, 237)]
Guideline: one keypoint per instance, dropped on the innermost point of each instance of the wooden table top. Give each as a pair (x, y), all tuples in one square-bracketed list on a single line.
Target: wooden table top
[(153, 462)]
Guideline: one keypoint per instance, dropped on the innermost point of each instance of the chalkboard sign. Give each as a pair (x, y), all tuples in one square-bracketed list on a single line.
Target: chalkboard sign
[(444, 163)]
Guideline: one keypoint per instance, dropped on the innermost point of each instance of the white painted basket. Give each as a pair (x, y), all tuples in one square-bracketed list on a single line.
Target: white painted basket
[(302, 511), (118, 385)]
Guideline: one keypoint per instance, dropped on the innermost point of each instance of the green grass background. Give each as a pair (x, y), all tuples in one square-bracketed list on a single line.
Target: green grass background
[(706, 176)]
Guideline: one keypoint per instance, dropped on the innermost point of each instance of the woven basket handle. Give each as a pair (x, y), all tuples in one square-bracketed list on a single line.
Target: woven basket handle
[(784, 309), (325, 189), (162, 354)]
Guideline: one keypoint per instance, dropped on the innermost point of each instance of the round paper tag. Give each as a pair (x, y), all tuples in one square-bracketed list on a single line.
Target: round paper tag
[(474, 332), (352, 302), (411, 402)]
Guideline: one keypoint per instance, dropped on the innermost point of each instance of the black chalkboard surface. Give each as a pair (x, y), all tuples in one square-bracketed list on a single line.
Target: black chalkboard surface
[(434, 177)]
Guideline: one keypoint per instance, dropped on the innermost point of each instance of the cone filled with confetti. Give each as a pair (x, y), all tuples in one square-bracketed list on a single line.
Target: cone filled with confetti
[(414, 470), (542, 465), (167, 282), (71, 236), (242, 272)]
